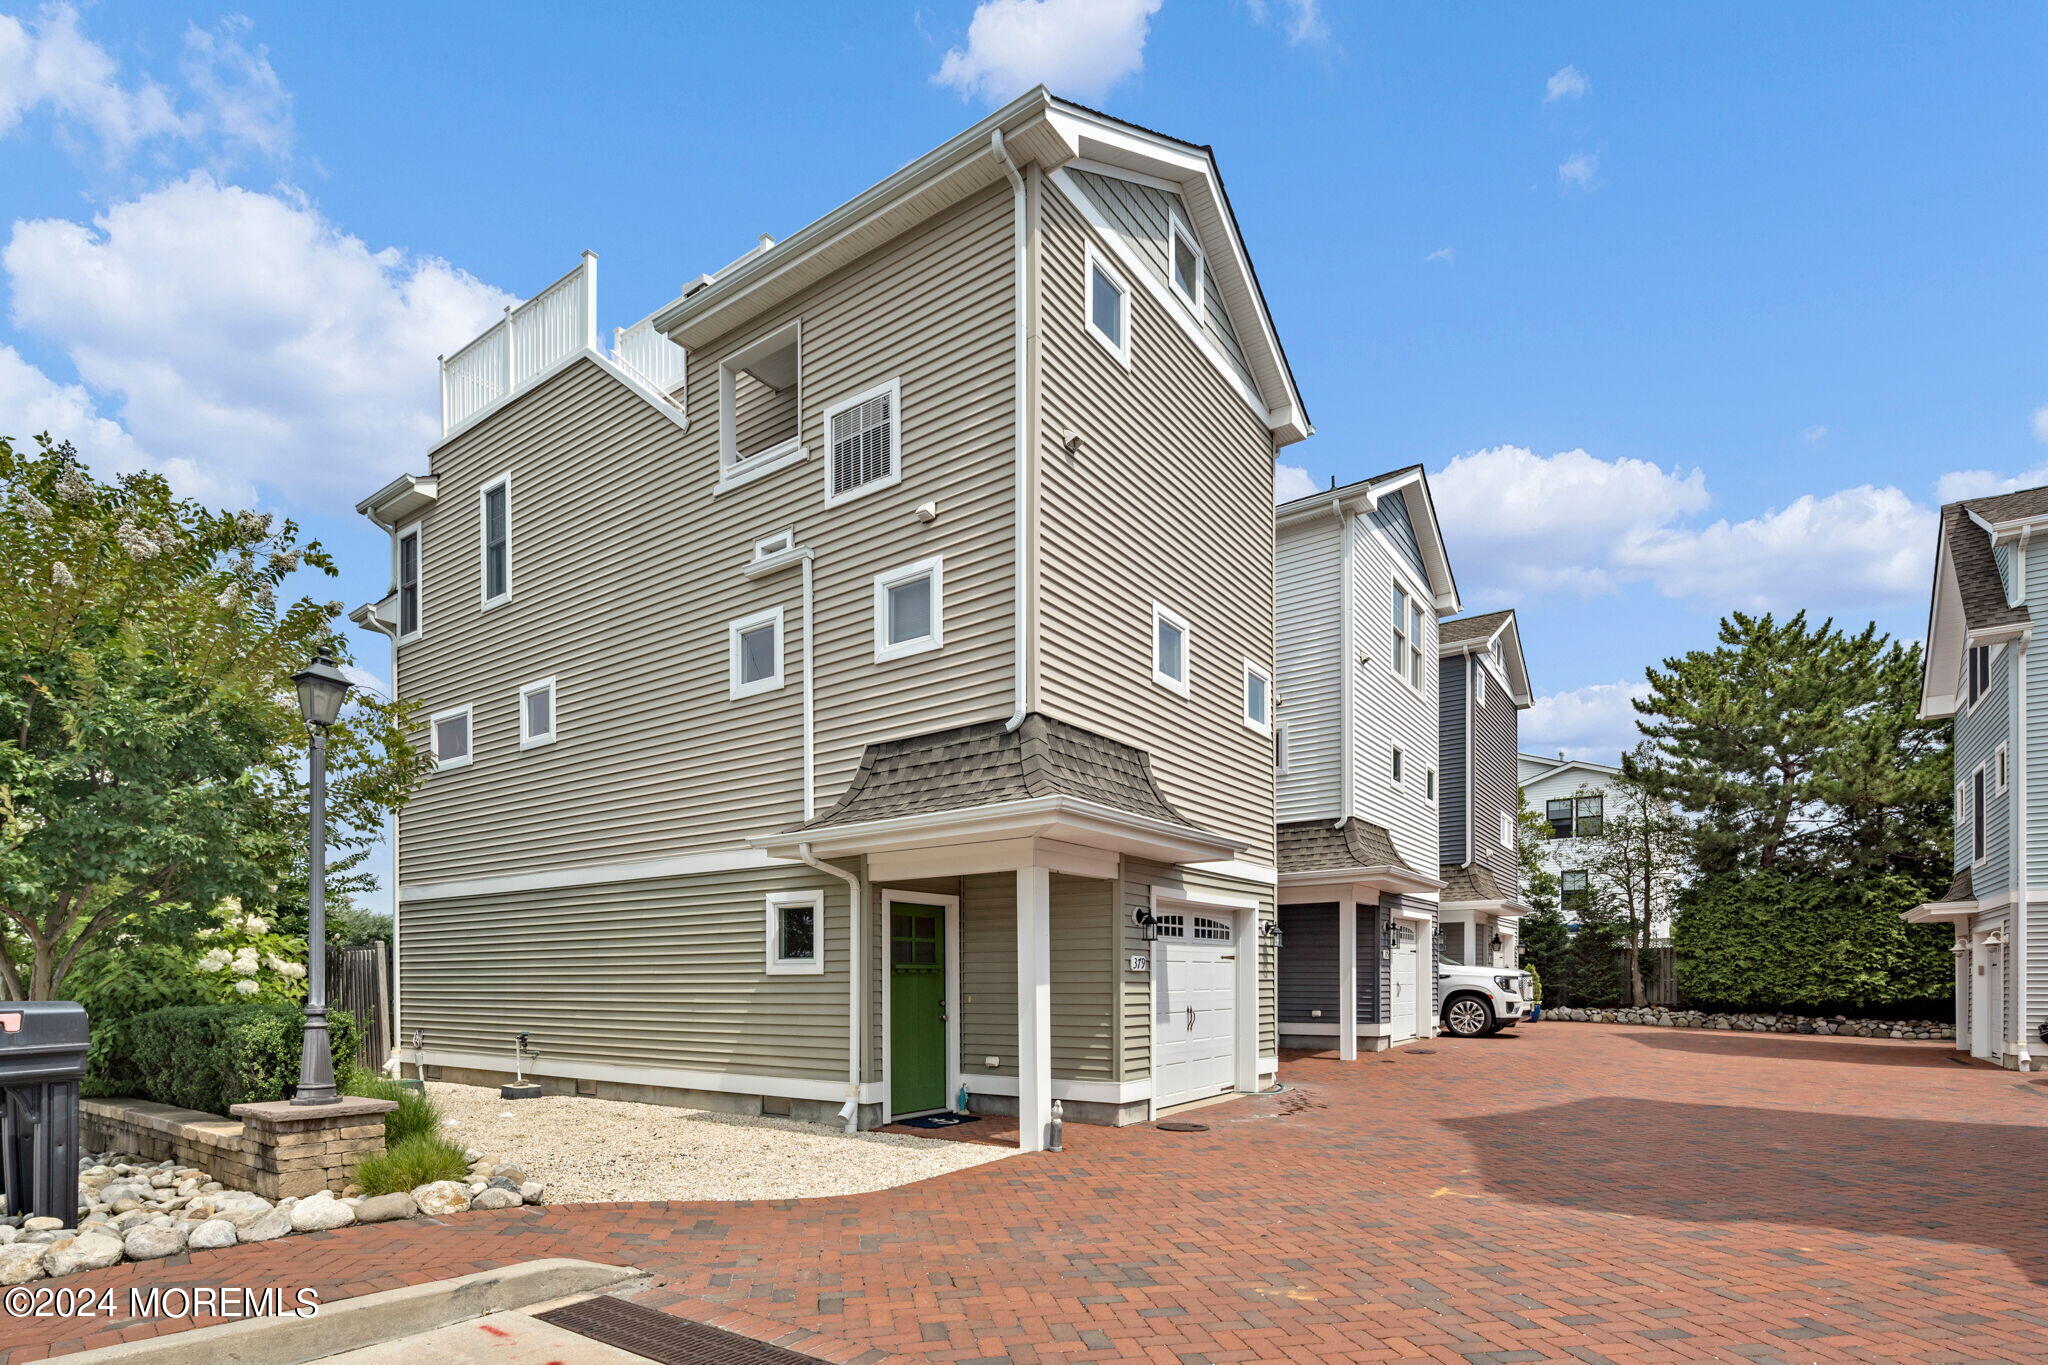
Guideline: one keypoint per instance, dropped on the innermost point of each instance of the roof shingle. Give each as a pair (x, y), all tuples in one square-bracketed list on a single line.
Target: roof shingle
[(1459, 629), (1983, 592), (1319, 846), (1473, 882)]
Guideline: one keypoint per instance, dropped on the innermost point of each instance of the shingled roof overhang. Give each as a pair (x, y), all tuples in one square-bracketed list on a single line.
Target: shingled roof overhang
[(1958, 902), (1313, 852), (1473, 886), (1047, 779), (1969, 604), (1477, 635)]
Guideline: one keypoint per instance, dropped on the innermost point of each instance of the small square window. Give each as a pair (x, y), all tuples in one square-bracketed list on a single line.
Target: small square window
[(1258, 697), (449, 739), (537, 713), (863, 442), (1187, 264), (494, 524), (910, 609), (1169, 650), (1575, 894), (755, 644), (1109, 308), (1395, 763), (796, 933)]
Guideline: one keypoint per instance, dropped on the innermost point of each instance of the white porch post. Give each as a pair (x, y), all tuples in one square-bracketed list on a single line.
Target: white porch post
[(1034, 1007), (1347, 978)]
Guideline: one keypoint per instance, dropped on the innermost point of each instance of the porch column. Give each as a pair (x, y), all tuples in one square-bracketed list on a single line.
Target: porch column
[(1347, 978), (1034, 1007)]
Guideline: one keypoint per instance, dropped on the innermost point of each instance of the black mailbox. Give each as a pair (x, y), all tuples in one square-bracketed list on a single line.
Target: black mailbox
[(42, 1060)]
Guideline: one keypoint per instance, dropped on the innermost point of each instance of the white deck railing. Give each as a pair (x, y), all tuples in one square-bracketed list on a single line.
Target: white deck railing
[(642, 351), (533, 337)]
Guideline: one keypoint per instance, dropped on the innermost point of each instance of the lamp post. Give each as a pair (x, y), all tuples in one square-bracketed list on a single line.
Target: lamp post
[(321, 687)]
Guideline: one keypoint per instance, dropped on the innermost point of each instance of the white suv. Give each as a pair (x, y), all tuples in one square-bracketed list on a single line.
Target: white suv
[(1481, 1000)]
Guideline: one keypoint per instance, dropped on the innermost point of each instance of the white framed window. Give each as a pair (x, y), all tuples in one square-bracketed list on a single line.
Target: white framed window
[(494, 537), (449, 738), (754, 645), (1478, 683), (1977, 814), (1280, 747), (910, 609), (406, 573), (1185, 265), (1170, 647), (759, 405), (796, 933), (1979, 661), (1407, 660), (1962, 805), (864, 442), (1429, 784), (1397, 763), (1108, 305), (537, 719), (2002, 769), (1507, 829), (1258, 698), (769, 546)]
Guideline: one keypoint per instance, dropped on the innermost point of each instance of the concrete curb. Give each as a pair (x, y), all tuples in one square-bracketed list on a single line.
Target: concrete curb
[(369, 1318)]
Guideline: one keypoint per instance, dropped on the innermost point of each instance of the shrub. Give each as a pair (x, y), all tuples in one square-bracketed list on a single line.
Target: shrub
[(209, 1057), (416, 1116), (410, 1163)]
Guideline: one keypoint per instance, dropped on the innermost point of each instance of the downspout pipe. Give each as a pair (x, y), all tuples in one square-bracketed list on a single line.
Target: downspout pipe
[(1019, 419), (2016, 793), (857, 1021), (1347, 667)]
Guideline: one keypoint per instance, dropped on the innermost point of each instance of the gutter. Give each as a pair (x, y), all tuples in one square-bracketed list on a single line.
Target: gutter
[(1020, 415)]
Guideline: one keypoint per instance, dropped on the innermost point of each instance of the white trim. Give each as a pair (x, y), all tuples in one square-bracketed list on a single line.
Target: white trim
[(674, 1078), (1094, 260), (736, 689), (1175, 230), (647, 392), (1092, 1092), (1070, 819), (772, 905), (468, 713), (485, 601), (949, 926), (892, 387), (1263, 725), (2001, 770), (733, 468), (415, 528), (1281, 766), (781, 542), (934, 569), (593, 874), (527, 739), (1184, 684), (1257, 873)]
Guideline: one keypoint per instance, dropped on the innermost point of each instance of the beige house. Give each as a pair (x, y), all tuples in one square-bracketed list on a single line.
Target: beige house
[(851, 689)]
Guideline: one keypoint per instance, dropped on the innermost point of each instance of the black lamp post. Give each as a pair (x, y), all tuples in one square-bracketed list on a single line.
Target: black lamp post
[(321, 687)]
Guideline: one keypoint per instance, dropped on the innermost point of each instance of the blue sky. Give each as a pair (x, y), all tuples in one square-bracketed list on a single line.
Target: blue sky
[(1684, 309)]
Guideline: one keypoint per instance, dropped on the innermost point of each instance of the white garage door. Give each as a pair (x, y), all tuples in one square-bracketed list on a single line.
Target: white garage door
[(1194, 1014), (1405, 1018)]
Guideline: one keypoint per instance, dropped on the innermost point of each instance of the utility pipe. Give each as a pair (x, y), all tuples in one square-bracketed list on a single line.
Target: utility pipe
[(857, 1022), (1020, 415)]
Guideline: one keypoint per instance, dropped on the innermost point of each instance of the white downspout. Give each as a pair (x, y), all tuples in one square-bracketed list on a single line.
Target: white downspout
[(810, 713), (857, 1022), (1019, 417), (1347, 667), (2017, 795)]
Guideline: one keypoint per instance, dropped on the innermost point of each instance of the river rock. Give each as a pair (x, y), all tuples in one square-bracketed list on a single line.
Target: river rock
[(496, 1197), (87, 1251), (150, 1242), (275, 1223), (321, 1212), (212, 1235), (385, 1208), (21, 1263), (442, 1196)]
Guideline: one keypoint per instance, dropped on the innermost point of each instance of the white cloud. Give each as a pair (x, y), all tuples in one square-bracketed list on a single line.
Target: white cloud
[(1595, 723), (1983, 483), (1813, 435), (2039, 423), (46, 62), (1079, 48), (1291, 482), (1447, 254), (1576, 172), (1302, 19), (241, 100), (31, 403), (1565, 83), (245, 337)]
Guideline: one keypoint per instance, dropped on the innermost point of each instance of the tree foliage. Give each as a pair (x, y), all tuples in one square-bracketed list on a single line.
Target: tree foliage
[(151, 753), (1637, 864)]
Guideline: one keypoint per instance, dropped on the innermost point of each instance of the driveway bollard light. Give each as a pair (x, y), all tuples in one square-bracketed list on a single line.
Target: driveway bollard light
[(321, 689)]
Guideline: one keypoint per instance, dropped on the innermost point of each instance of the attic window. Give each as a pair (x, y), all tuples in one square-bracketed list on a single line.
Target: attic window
[(1186, 266), (1980, 671), (757, 406), (1109, 308)]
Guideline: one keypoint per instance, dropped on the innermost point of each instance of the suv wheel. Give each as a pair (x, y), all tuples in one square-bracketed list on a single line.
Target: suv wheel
[(1468, 1016)]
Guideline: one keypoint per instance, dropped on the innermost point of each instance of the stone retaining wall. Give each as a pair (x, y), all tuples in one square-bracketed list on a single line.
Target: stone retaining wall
[(164, 1132), (1756, 1023), (276, 1150)]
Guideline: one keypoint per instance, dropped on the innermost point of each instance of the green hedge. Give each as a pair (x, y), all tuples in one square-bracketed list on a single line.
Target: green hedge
[(208, 1057), (1809, 945)]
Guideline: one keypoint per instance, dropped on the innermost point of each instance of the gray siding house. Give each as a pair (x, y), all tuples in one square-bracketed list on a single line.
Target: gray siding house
[(1483, 686), (1362, 580), (851, 688), (1982, 671)]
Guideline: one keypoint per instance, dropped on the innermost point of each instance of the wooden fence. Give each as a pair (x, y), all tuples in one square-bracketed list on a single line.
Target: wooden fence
[(1660, 973), (359, 981)]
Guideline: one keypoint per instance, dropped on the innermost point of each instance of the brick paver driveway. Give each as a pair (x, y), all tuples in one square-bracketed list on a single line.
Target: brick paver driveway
[(1576, 1193)]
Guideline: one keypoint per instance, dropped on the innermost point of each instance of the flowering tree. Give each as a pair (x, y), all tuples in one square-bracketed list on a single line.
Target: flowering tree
[(151, 752)]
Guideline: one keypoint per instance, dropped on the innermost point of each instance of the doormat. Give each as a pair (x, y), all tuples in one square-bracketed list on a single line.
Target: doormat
[(664, 1337), (937, 1121)]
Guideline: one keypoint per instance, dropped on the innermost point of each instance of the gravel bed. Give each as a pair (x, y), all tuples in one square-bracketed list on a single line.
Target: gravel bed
[(589, 1149)]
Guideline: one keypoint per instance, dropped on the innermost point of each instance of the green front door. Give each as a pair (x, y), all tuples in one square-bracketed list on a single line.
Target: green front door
[(917, 1008)]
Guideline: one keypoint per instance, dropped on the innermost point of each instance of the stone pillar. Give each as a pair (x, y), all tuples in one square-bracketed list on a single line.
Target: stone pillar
[(294, 1150)]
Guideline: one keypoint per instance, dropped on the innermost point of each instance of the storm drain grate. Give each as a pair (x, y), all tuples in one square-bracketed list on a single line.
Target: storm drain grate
[(664, 1337)]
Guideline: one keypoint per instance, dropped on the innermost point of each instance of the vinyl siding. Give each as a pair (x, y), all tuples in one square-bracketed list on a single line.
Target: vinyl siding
[(626, 571), (1978, 733), (1309, 959), (1391, 517), (1168, 499), (667, 973), (1310, 660), (1139, 881), (1387, 710), (762, 417), (1494, 790), (1137, 214), (1454, 783), (1083, 980)]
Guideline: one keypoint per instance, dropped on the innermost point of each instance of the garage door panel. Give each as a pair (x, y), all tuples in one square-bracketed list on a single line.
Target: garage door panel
[(1194, 1021)]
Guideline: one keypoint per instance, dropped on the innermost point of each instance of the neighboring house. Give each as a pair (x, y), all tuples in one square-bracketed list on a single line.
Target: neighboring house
[(1981, 670), (854, 687), (1571, 797), (1483, 687), (1362, 580)]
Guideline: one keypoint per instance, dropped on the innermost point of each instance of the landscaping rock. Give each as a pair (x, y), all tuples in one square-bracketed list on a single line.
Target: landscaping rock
[(499, 1182), (442, 1196), (321, 1212), (385, 1208), (87, 1251), (213, 1234), (151, 1242), (21, 1263), (41, 1224), (275, 1223), (496, 1197), (510, 1170), (134, 1218), (46, 1236), (530, 1191), (8, 1234)]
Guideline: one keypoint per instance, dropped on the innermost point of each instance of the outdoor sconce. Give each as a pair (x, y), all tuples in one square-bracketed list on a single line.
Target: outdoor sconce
[(1148, 926), (1495, 944), (1270, 929), (1392, 934)]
